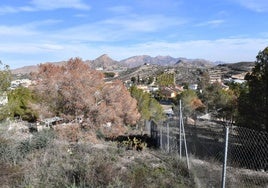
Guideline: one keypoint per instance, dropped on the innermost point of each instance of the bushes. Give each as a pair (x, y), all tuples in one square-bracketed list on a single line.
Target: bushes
[(9, 153), (144, 174), (133, 143), (63, 165), (38, 141), (14, 155), (20, 102), (47, 160), (13, 152), (81, 165)]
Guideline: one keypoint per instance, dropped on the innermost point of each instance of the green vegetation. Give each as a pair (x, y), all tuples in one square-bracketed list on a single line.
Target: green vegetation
[(253, 101), (147, 106), (245, 104), (133, 79), (222, 103), (19, 99), (5, 77), (145, 80), (190, 101), (134, 143), (165, 79), (109, 74), (5, 82), (19, 104)]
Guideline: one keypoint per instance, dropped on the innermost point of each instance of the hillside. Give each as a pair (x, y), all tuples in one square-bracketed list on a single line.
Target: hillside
[(145, 59), (194, 63), (104, 62), (24, 70), (142, 71), (165, 61), (32, 68), (188, 70), (238, 70), (240, 66)]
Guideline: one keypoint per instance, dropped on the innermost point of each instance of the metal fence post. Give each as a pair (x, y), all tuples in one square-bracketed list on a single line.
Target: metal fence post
[(167, 137), (161, 137), (225, 158), (185, 145), (180, 129)]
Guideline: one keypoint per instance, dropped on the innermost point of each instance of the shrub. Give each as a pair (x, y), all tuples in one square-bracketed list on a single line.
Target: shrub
[(9, 153), (133, 143), (70, 133), (45, 160)]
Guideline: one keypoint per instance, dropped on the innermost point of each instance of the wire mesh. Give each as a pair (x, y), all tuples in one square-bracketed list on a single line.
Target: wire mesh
[(247, 160)]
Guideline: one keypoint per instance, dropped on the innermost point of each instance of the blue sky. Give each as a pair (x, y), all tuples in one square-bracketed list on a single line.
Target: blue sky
[(37, 31)]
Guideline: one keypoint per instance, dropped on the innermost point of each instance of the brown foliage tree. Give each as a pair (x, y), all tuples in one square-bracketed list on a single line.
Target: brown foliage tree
[(119, 104), (75, 90)]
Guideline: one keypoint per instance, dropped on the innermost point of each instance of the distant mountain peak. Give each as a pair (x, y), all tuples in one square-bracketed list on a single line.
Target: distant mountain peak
[(104, 57), (104, 62)]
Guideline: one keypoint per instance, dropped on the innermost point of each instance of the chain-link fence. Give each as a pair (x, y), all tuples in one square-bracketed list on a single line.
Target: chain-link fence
[(247, 152), (247, 159)]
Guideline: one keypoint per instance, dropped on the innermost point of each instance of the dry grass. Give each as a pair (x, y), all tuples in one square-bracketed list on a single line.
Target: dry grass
[(67, 158)]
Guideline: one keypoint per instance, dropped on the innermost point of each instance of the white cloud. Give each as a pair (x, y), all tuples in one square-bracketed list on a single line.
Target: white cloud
[(47, 22), (18, 48), (85, 33), (118, 29), (38, 5), (26, 30), (30, 48), (148, 23), (255, 5), (52, 4), (120, 9), (212, 23), (50, 47), (81, 15), (26, 9), (8, 9), (14, 31)]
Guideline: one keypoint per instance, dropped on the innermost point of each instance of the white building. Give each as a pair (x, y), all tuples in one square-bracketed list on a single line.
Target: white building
[(22, 82)]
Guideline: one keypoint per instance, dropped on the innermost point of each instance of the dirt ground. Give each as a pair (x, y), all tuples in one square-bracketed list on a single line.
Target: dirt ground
[(209, 175)]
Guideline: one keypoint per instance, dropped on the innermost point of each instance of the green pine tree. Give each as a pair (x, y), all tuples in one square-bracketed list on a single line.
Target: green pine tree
[(253, 103)]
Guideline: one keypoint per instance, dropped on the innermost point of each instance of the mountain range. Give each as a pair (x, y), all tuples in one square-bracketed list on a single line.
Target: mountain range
[(104, 62)]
